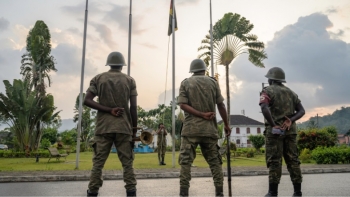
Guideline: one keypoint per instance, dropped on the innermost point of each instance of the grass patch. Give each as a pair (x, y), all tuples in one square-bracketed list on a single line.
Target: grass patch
[(142, 161)]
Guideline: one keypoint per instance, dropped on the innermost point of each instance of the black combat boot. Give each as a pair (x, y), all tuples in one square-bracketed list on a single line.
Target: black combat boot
[(90, 193), (163, 161), (219, 191), (160, 161), (273, 190), (297, 189), (183, 191), (131, 193)]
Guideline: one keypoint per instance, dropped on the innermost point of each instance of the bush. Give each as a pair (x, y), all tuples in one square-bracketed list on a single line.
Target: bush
[(45, 143), (312, 138), (258, 141), (250, 153), (305, 156), (332, 155), (21, 154)]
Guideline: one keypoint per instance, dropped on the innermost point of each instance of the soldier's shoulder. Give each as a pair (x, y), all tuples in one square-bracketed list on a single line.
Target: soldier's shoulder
[(183, 81), (212, 78)]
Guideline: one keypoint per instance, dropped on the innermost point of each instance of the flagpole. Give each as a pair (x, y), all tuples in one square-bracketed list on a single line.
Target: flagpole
[(173, 88), (129, 47), (81, 89), (211, 43)]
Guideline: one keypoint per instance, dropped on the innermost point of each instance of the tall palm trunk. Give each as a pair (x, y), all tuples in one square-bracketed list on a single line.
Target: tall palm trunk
[(228, 93)]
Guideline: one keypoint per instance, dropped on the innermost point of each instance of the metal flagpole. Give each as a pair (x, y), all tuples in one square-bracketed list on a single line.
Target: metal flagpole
[(129, 49), (173, 103), (81, 89), (211, 44)]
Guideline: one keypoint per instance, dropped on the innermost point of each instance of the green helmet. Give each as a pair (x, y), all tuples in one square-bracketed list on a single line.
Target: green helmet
[(197, 65), (277, 74), (115, 59)]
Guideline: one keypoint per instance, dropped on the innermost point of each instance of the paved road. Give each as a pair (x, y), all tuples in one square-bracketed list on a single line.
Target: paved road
[(334, 184)]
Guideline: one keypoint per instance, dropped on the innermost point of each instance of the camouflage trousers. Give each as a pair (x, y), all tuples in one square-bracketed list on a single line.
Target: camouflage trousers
[(210, 151), (161, 147), (102, 147), (282, 146)]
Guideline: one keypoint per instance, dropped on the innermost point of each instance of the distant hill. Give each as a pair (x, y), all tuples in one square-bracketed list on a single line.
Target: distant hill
[(340, 118), (67, 124)]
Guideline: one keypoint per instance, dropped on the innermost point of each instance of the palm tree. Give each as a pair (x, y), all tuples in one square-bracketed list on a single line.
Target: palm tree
[(37, 62), (231, 38), (23, 110)]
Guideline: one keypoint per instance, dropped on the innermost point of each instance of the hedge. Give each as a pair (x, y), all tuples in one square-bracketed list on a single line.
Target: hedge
[(331, 155)]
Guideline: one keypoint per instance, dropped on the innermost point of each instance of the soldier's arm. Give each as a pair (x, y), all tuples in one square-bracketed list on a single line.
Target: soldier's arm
[(191, 110), (133, 112), (89, 101), (300, 111), (267, 114)]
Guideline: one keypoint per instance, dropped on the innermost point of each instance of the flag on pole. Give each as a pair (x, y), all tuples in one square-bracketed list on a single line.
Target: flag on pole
[(170, 31)]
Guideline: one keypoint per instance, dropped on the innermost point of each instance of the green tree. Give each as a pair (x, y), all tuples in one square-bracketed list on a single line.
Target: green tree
[(45, 143), (258, 141), (50, 134), (37, 63), (87, 120), (23, 110), (68, 137), (231, 38)]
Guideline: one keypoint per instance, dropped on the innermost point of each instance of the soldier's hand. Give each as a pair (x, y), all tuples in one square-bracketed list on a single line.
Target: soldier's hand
[(208, 115), (286, 124), (117, 111), (227, 130)]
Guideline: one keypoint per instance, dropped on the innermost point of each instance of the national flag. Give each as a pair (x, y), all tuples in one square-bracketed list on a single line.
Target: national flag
[(170, 28)]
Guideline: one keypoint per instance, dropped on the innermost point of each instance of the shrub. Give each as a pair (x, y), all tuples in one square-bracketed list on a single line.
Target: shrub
[(250, 153), (332, 155), (45, 143), (258, 141), (305, 156), (312, 138)]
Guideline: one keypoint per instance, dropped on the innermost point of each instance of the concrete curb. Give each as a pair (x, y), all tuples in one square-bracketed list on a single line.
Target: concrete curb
[(44, 178)]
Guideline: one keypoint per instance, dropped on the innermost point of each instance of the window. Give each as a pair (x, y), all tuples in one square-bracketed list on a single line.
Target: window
[(258, 130), (248, 130), (237, 130), (238, 141), (248, 141)]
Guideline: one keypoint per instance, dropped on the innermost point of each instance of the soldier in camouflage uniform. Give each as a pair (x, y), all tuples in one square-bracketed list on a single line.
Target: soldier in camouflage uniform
[(161, 143), (198, 97), (281, 107), (114, 122)]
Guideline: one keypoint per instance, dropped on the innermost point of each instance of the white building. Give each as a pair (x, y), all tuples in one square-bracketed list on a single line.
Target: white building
[(242, 127)]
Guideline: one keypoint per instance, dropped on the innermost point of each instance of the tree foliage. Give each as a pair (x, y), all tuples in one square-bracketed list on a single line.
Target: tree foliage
[(23, 110), (339, 118), (313, 137), (258, 141), (37, 62), (231, 38)]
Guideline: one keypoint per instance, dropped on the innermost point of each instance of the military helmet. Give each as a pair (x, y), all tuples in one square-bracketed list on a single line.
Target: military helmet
[(197, 65), (277, 74), (115, 59)]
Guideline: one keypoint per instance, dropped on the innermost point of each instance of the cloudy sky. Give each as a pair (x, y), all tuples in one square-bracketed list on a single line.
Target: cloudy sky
[(309, 39)]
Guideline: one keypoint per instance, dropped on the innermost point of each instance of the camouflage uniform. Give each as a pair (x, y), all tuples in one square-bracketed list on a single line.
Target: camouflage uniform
[(161, 145), (202, 93), (282, 102), (113, 89)]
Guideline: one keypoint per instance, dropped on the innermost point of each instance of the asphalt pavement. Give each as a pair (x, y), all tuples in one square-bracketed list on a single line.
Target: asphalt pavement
[(325, 184), (161, 172)]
